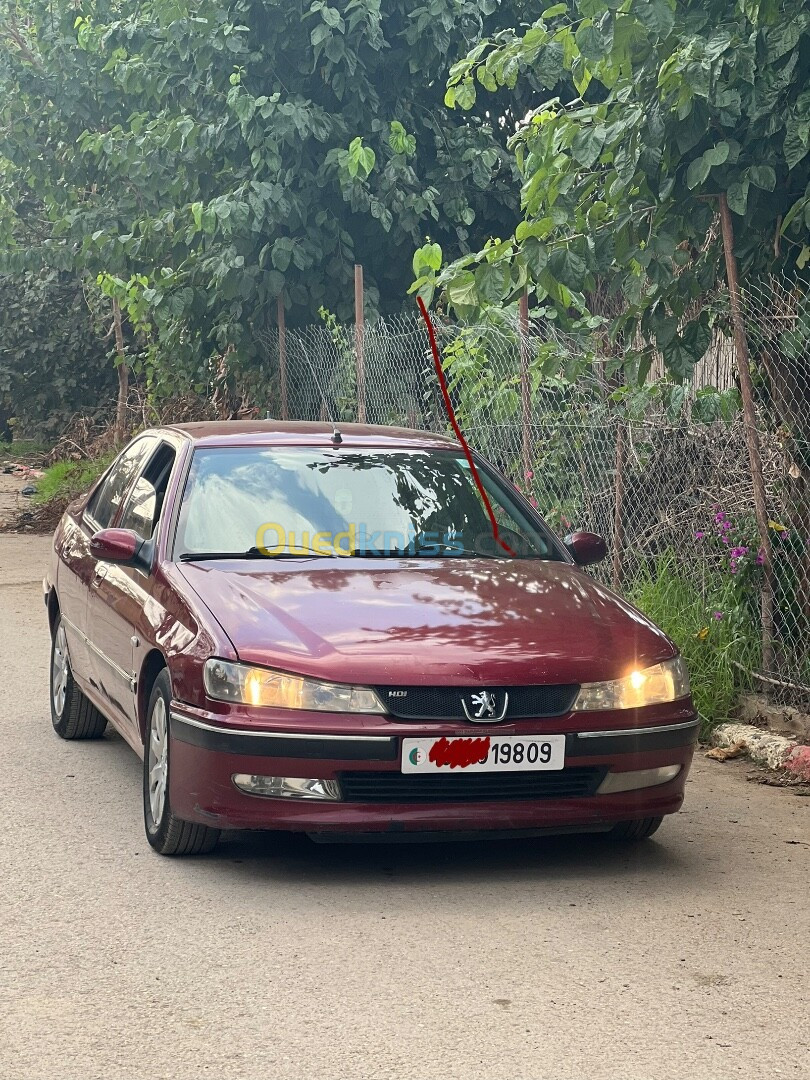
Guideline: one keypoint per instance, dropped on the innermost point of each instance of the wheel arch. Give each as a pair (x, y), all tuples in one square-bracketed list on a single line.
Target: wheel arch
[(154, 662), (53, 608)]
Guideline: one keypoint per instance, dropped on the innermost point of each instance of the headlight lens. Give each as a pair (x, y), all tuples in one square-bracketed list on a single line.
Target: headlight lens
[(656, 685), (245, 685)]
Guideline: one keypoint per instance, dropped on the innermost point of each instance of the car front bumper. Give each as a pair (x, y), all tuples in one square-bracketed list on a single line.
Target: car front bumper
[(208, 750)]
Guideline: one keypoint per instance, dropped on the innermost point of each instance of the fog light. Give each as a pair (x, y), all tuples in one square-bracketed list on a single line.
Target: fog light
[(289, 787), (638, 778)]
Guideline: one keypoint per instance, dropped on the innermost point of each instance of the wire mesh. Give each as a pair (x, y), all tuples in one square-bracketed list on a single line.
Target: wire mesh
[(661, 471)]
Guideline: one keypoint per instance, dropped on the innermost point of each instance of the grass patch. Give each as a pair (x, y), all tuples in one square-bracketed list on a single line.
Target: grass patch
[(688, 611), (65, 480), (21, 449)]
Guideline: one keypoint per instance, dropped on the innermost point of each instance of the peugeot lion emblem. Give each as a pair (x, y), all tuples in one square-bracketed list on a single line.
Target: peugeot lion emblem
[(483, 707)]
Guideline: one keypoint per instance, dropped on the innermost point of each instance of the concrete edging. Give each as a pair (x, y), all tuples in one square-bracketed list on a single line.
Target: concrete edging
[(766, 748)]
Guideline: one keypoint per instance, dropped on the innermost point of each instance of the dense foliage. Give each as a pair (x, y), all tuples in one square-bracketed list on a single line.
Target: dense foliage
[(53, 359), (201, 157), (675, 103)]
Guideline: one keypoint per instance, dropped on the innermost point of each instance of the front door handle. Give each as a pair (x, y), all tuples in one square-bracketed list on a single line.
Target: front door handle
[(98, 576)]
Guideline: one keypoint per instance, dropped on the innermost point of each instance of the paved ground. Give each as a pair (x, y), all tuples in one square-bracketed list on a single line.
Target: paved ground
[(687, 957)]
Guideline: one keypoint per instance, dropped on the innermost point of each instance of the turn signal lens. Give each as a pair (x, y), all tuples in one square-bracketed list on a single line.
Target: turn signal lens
[(655, 685), (262, 687)]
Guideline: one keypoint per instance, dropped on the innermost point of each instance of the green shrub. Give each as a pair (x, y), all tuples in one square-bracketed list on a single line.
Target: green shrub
[(707, 623), (65, 480)]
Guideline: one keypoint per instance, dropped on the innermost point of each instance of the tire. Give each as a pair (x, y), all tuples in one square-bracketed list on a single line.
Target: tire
[(167, 833), (72, 715), (629, 832)]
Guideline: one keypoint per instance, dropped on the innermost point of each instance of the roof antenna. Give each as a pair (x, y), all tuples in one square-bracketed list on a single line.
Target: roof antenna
[(337, 438)]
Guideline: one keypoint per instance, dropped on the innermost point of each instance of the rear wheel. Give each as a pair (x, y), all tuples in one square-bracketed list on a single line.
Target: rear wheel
[(72, 715), (168, 834), (628, 832)]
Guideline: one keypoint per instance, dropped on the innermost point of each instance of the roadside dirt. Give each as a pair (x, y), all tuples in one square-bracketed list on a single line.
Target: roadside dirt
[(10, 499)]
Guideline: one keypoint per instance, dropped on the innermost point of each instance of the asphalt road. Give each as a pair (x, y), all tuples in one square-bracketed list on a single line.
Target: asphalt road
[(685, 957)]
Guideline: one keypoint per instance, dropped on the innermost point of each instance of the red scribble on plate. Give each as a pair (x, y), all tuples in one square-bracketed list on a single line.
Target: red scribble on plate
[(458, 753), (437, 363)]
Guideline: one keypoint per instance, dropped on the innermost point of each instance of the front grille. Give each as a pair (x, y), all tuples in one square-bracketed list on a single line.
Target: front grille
[(391, 787), (444, 702)]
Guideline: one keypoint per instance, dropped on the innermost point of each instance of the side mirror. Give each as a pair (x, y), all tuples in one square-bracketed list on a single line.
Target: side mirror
[(586, 547), (117, 546)]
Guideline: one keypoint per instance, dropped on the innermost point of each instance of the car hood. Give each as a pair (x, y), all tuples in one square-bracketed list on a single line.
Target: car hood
[(408, 622)]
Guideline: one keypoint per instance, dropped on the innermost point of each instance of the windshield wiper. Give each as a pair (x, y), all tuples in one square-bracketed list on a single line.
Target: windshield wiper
[(257, 553)]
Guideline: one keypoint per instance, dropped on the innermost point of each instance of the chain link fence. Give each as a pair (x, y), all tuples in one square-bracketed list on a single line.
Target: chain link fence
[(660, 470)]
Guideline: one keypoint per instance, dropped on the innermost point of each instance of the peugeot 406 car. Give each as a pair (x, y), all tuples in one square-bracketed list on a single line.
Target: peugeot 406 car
[(308, 629)]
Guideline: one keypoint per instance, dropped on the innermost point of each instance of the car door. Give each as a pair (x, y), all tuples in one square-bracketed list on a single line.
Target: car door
[(120, 597), (78, 568)]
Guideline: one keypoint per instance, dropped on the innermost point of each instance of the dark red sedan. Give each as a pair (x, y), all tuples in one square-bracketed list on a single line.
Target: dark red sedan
[(304, 628)]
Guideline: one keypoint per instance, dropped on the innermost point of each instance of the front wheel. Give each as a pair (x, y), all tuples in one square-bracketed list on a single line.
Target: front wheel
[(168, 834), (72, 715), (628, 832)]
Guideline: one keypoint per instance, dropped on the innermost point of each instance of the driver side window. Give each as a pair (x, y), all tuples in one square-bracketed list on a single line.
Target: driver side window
[(143, 507)]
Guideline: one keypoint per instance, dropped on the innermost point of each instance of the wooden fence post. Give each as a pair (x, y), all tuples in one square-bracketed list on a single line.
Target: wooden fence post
[(123, 375), (359, 343), (751, 433), (282, 358), (525, 386)]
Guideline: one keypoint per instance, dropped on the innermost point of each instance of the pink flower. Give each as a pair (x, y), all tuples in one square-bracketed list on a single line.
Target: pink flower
[(534, 502), (725, 539), (530, 475), (699, 535), (760, 557), (718, 614)]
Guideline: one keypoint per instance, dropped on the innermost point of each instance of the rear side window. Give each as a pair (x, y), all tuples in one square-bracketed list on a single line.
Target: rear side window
[(105, 503)]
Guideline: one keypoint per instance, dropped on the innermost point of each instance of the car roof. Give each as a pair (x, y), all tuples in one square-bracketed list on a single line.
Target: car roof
[(307, 433)]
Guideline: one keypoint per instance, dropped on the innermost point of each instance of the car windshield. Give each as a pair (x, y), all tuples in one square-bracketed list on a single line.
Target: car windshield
[(301, 501)]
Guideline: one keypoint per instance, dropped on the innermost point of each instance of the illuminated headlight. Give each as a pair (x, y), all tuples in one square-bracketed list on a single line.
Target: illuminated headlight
[(656, 685), (245, 685)]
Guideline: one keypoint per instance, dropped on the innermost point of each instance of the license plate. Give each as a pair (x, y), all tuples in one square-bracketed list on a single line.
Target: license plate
[(486, 753)]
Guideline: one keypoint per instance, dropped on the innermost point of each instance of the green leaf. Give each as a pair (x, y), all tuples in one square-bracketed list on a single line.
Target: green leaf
[(555, 9), (797, 140), (656, 16), (588, 144), (697, 172), (591, 42), (567, 268), (282, 253), (536, 255), (762, 176), (332, 17), (737, 196), (197, 214), (717, 155), (462, 291)]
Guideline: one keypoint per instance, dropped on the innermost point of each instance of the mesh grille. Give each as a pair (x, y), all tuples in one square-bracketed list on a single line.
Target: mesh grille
[(445, 702), (391, 787)]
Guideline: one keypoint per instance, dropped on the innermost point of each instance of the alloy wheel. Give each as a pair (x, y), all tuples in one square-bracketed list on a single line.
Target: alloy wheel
[(158, 766), (60, 670)]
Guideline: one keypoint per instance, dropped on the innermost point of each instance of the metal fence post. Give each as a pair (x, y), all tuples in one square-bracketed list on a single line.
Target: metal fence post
[(282, 359), (359, 334), (525, 387)]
